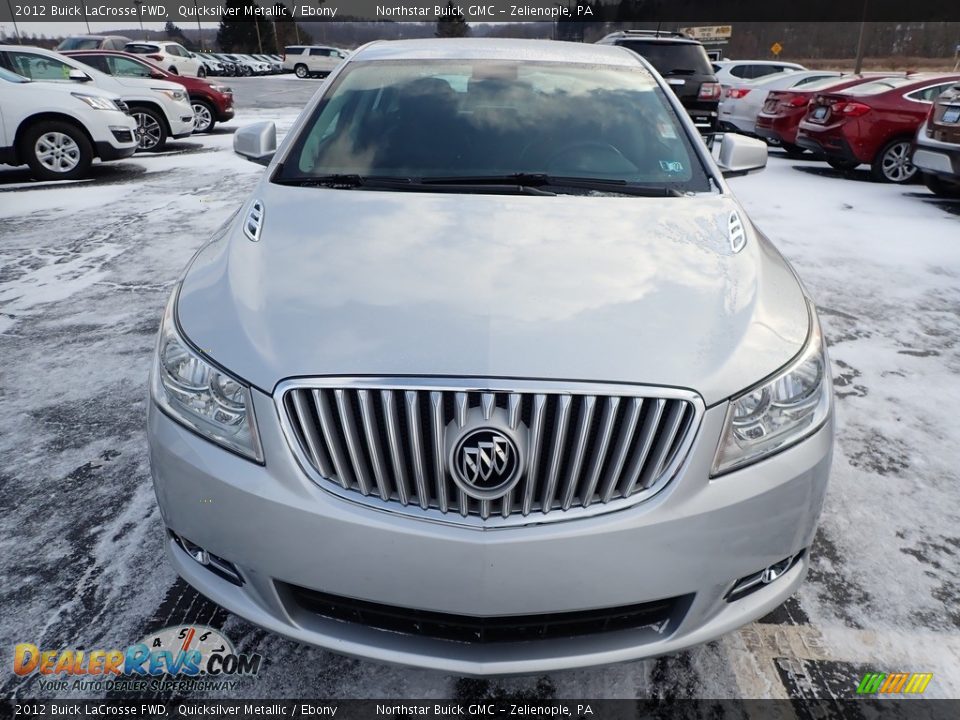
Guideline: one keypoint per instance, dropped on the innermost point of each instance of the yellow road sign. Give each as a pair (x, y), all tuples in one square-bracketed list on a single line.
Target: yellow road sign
[(776, 48)]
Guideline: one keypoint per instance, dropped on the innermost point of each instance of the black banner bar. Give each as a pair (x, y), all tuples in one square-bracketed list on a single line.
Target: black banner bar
[(873, 708), (691, 11)]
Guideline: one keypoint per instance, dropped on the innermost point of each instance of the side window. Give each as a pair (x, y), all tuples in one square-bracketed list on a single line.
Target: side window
[(95, 61), (173, 50), (320, 51), (810, 79), (38, 67), (762, 70), (740, 71), (928, 94), (126, 68)]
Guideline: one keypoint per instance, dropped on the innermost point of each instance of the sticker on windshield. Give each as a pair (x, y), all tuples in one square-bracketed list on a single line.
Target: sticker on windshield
[(666, 130), (671, 166)]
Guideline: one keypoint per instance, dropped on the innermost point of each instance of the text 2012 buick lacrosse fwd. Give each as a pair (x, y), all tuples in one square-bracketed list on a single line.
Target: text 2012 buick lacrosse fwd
[(491, 373)]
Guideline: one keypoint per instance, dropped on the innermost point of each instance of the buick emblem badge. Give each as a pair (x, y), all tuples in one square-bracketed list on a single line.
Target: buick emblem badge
[(485, 463)]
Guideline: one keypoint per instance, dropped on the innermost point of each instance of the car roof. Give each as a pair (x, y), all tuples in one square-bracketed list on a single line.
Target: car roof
[(496, 49), (730, 63)]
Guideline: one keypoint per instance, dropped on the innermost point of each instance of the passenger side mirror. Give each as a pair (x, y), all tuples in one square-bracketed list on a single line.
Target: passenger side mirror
[(740, 155), (78, 75), (257, 142)]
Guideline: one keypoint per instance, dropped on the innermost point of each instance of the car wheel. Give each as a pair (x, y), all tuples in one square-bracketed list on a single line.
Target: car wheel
[(892, 164), (151, 129), (204, 117), (793, 151), (201, 72), (841, 164), (301, 71), (942, 188), (247, 71), (173, 69), (56, 151)]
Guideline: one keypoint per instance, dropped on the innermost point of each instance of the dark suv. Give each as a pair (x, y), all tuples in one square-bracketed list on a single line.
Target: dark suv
[(684, 64)]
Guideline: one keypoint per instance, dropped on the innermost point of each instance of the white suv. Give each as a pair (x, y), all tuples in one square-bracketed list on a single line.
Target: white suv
[(161, 108), (171, 56), (306, 60), (58, 129)]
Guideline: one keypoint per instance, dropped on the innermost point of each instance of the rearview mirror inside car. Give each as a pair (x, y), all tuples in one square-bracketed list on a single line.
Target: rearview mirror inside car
[(79, 75), (256, 142), (740, 155)]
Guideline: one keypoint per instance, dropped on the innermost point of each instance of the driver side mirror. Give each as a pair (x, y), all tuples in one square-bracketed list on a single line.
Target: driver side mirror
[(78, 76), (740, 155), (257, 142)]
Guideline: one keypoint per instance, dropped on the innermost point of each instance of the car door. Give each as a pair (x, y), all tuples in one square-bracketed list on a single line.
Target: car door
[(320, 60), (187, 62)]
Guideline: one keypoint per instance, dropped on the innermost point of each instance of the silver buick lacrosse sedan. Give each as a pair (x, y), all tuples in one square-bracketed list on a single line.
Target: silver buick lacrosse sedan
[(491, 373)]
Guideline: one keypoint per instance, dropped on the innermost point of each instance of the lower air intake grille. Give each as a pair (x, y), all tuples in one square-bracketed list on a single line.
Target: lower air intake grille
[(585, 450), (654, 616)]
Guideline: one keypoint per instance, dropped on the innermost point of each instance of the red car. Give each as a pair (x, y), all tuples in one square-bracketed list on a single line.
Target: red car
[(211, 102), (873, 122), (783, 110)]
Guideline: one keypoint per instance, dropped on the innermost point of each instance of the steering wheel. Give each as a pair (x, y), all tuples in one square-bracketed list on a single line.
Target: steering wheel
[(597, 145)]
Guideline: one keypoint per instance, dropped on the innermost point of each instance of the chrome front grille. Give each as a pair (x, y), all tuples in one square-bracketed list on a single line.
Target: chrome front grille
[(589, 448)]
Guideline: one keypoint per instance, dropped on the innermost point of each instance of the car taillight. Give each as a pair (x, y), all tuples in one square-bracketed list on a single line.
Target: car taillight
[(797, 102), (709, 91), (155, 57), (854, 109), (737, 93)]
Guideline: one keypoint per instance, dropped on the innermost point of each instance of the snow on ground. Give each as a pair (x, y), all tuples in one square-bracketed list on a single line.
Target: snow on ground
[(85, 271)]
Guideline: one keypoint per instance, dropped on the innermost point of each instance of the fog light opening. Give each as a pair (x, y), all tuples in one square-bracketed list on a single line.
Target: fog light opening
[(770, 574), (215, 564)]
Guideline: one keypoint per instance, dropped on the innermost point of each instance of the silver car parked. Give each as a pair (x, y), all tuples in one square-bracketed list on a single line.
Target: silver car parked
[(491, 373)]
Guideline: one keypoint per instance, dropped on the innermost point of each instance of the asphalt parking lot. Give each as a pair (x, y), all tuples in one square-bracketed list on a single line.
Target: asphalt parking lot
[(85, 269)]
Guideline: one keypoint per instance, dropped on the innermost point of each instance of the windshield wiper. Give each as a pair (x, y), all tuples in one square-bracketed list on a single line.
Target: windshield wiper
[(351, 180), (389, 182), (541, 180)]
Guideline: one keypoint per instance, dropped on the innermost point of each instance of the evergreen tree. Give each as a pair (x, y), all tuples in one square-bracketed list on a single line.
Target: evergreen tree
[(452, 24)]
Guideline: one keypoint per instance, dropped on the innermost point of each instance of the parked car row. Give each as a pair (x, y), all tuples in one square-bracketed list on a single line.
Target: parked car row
[(876, 119), (240, 65), (47, 99)]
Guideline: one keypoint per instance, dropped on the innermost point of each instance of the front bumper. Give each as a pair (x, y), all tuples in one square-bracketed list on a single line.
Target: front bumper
[(694, 539)]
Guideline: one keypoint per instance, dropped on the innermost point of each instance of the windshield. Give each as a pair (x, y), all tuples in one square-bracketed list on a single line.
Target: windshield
[(672, 58), (79, 43), (461, 119), (12, 77)]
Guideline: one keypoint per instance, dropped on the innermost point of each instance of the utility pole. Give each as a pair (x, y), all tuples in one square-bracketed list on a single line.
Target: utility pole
[(16, 30), (83, 7), (199, 29), (861, 40), (139, 4)]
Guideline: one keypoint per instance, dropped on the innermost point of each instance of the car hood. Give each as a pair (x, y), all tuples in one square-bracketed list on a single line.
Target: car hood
[(147, 83), (614, 289)]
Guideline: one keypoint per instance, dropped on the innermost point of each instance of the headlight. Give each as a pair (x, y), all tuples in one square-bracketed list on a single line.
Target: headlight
[(175, 95), (201, 396), (779, 412), (97, 102)]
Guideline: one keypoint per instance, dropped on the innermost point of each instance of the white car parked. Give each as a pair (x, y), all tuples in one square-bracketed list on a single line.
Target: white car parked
[(59, 129), (172, 57), (161, 108), (731, 72), (742, 102), (306, 60)]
